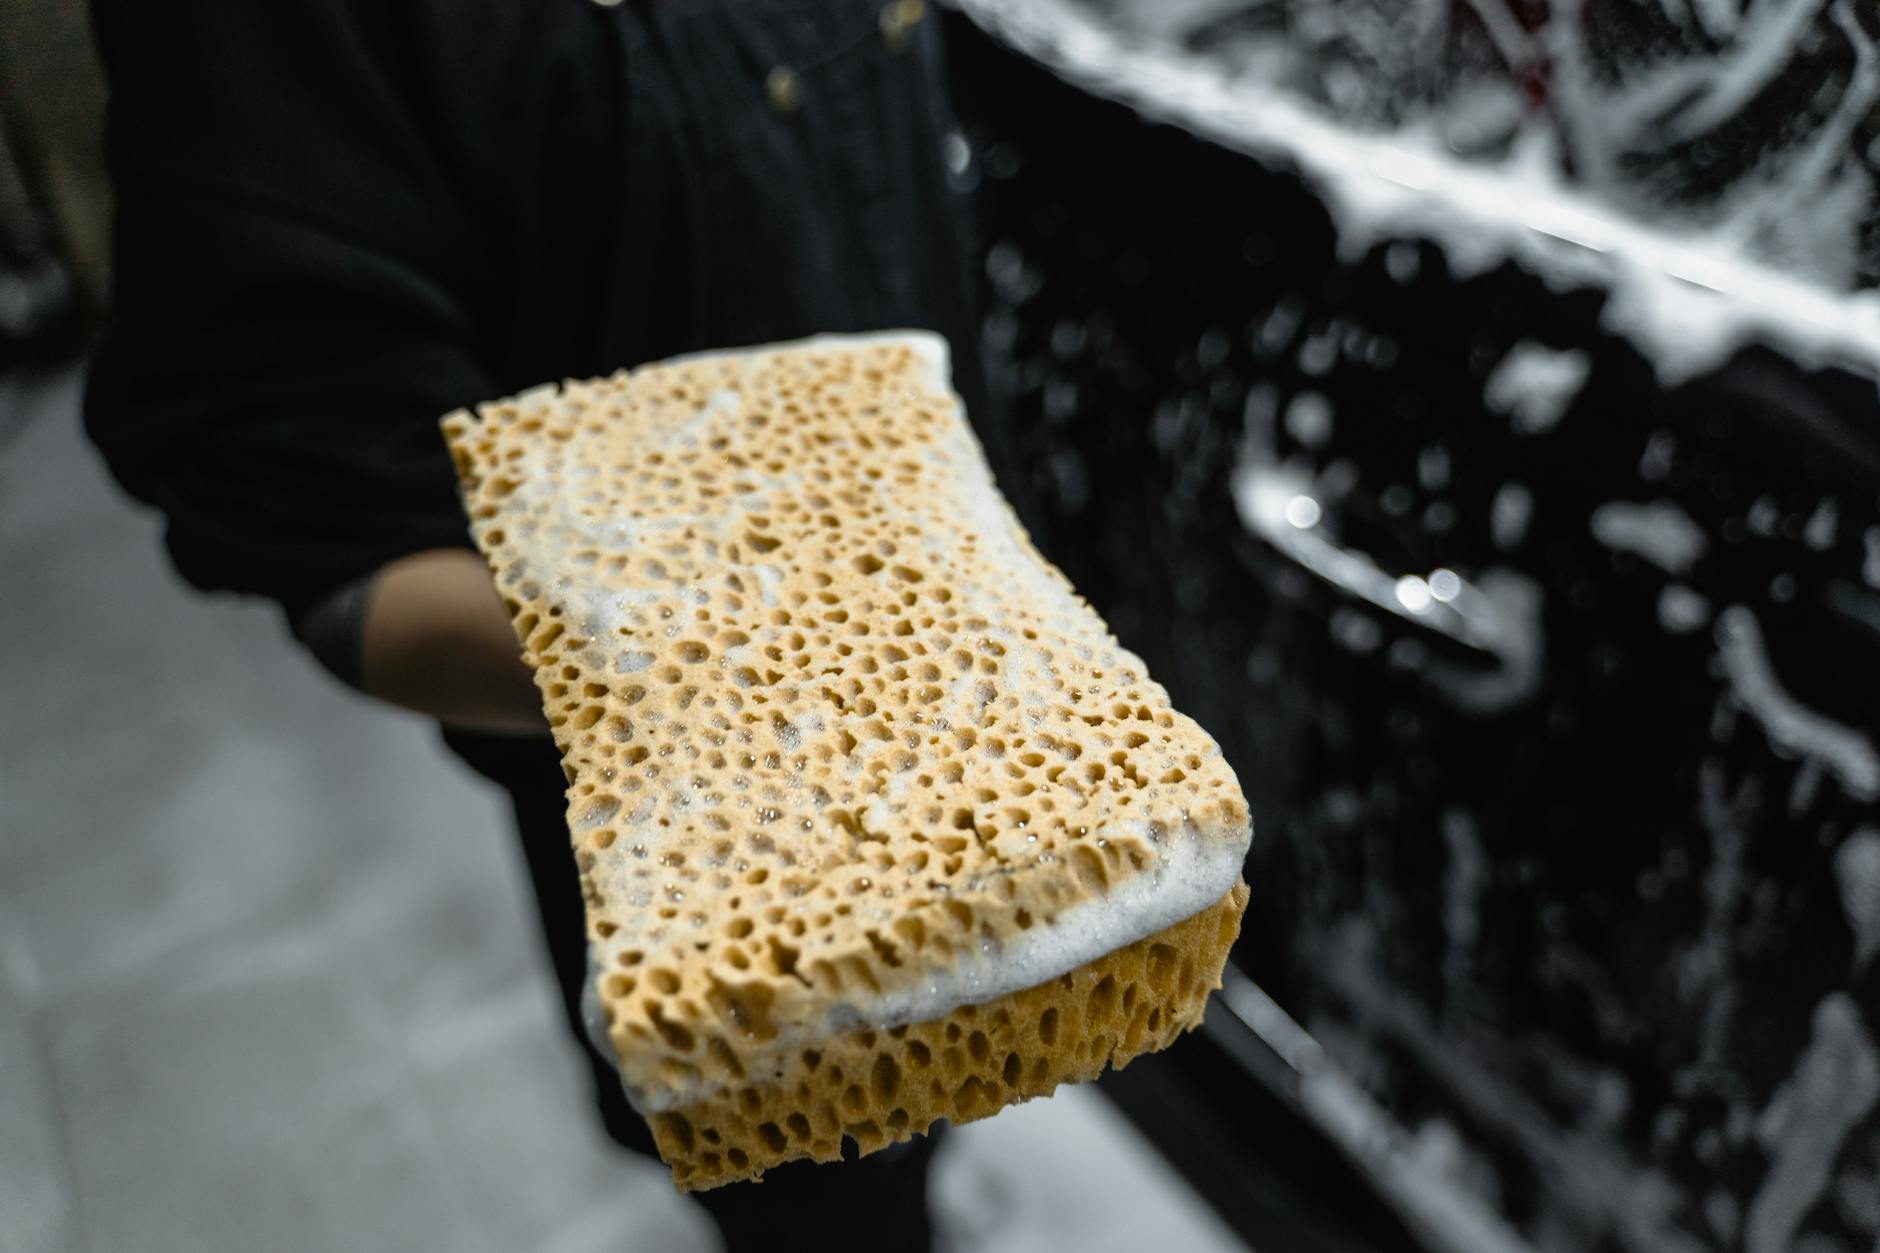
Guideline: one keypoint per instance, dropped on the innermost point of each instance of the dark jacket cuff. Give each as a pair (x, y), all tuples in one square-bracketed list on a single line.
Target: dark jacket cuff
[(333, 629)]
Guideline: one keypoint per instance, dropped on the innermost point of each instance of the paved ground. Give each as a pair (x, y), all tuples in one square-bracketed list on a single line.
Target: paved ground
[(267, 973)]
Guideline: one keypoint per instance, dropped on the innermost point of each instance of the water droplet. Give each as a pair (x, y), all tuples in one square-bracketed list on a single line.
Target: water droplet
[(1413, 594), (1303, 512)]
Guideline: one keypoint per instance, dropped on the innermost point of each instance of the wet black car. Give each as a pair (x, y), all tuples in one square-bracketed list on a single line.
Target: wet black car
[(1545, 638)]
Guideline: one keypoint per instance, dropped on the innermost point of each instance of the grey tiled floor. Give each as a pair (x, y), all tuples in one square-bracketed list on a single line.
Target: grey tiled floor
[(268, 978)]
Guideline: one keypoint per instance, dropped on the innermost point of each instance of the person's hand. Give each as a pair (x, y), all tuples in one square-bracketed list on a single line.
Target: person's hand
[(438, 640)]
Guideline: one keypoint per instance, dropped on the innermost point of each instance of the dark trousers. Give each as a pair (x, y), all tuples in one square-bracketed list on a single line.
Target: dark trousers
[(878, 1202)]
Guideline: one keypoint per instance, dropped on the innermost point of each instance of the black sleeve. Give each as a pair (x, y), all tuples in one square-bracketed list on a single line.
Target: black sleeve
[(295, 279)]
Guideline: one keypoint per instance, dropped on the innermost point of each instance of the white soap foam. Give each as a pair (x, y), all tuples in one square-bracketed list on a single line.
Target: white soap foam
[(1658, 531), (1509, 514), (1682, 611), (1535, 385), (1847, 754), (1194, 870), (1808, 1120), (1857, 874), (1687, 294)]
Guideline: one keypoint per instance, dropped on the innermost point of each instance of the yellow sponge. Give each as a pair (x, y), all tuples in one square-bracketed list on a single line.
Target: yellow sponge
[(877, 823)]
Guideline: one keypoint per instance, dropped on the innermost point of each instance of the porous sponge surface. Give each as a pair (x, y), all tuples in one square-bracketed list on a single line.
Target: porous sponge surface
[(845, 753), (879, 1087)]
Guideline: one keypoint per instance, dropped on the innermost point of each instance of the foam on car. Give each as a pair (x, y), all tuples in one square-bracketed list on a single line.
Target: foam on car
[(876, 821)]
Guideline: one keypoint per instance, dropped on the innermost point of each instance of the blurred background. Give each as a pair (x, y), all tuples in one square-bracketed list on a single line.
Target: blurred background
[(1466, 408), (270, 974)]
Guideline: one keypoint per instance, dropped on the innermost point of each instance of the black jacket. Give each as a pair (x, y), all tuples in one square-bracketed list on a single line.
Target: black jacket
[(339, 219)]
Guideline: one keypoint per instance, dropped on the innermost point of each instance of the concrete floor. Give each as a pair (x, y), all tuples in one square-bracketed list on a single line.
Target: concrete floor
[(268, 977)]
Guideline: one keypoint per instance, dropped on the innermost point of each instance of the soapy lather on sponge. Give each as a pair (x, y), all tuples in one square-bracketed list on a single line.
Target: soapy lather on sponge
[(876, 821)]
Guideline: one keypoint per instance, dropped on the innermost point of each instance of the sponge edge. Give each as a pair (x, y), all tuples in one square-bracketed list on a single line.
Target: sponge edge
[(846, 755), (880, 1087)]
